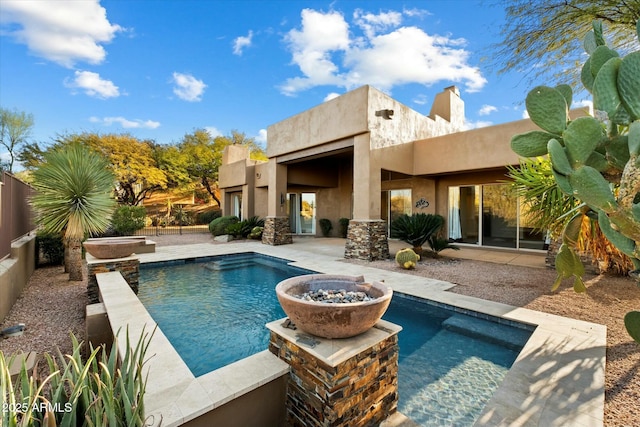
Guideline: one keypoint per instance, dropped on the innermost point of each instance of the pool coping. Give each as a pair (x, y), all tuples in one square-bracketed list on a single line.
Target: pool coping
[(557, 379)]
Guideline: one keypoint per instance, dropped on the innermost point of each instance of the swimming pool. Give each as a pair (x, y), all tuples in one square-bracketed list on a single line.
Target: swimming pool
[(445, 376)]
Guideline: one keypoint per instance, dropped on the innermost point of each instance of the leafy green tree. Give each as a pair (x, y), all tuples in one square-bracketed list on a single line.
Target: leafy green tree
[(15, 131), (549, 32), (201, 156), (73, 198)]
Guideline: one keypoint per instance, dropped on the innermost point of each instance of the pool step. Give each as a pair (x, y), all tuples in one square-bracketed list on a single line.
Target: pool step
[(510, 337), (228, 264), (240, 262)]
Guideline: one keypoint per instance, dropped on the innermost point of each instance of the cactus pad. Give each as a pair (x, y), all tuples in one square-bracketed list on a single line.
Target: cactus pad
[(547, 108), (581, 138), (591, 187), (632, 323), (629, 84), (605, 90), (531, 144)]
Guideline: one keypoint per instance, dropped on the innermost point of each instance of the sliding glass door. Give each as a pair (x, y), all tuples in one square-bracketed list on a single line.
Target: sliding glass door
[(301, 208), (489, 215)]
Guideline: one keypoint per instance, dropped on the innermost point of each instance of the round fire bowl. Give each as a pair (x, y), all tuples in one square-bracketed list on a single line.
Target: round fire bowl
[(112, 248), (333, 320)]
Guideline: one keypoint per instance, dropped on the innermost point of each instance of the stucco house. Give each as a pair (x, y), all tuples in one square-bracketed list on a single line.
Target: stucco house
[(367, 157)]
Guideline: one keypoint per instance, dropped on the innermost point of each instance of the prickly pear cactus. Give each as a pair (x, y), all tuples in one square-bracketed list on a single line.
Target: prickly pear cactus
[(596, 161), (407, 258)]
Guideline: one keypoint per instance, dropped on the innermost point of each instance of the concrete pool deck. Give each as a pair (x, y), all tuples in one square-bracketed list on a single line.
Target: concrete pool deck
[(557, 380)]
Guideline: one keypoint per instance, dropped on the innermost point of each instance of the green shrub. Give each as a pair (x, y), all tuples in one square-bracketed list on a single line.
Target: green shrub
[(439, 244), (218, 226), (416, 229), (256, 233), (326, 227), (127, 220), (206, 217), (236, 229), (344, 227), (51, 248)]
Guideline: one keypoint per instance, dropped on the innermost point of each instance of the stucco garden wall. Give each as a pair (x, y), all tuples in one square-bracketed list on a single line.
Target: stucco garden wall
[(15, 272)]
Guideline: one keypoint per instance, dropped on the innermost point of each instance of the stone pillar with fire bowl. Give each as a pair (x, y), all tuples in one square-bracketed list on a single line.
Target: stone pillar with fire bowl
[(343, 357)]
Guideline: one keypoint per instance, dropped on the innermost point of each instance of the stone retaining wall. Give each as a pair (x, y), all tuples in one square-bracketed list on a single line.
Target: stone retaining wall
[(276, 231), (128, 267), (367, 240), (360, 391)]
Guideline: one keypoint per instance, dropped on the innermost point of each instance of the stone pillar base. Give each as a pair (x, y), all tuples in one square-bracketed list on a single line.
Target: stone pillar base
[(341, 382), (128, 267), (367, 240), (276, 231)]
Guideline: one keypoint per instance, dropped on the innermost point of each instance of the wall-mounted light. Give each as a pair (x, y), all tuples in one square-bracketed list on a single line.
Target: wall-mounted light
[(281, 199), (385, 114)]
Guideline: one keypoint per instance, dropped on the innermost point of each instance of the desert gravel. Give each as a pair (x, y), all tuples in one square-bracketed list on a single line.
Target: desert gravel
[(52, 308)]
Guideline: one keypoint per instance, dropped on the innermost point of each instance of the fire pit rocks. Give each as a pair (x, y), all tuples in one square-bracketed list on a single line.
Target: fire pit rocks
[(333, 306)]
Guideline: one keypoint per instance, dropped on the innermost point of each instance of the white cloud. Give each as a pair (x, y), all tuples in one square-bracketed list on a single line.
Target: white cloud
[(420, 99), (383, 59), (241, 42), (311, 47), (126, 123), (331, 96), (525, 114), (486, 109), (262, 137), (93, 85), (188, 88), (61, 31), (582, 103), (372, 24), (213, 131), (477, 124)]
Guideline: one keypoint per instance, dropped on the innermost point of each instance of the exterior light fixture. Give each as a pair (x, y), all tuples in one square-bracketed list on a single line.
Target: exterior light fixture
[(385, 114)]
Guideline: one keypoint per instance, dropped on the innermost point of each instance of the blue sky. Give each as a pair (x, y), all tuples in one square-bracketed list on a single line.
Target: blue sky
[(159, 69)]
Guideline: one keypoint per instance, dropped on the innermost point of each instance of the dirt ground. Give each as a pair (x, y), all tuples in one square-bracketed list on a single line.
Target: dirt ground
[(52, 308)]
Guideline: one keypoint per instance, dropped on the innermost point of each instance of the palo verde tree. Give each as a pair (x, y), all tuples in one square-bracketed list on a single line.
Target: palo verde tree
[(136, 164), (73, 198), (549, 32), (15, 130), (595, 161), (201, 156)]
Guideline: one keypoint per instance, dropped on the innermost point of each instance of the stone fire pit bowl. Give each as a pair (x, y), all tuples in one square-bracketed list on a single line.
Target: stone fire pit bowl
[(116, 248), (333, 320)]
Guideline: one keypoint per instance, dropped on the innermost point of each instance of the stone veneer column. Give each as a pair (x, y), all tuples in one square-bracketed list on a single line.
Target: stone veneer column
[(342, 382), (128, 267), (367, 240), (276, 231)]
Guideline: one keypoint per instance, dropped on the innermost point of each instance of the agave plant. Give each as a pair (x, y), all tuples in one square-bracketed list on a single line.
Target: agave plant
[(99, 391), (73, 198), (416, 229)]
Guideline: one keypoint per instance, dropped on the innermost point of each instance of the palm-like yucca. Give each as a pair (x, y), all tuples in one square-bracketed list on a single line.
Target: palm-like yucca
[(549, 209), (73, 197), (416, 229)]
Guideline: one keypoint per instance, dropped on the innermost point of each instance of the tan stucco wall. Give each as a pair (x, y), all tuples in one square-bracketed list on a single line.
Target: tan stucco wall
[(335, 119), (233, 174), (420, 189), (15, 272), (262, 407), (355, 113)]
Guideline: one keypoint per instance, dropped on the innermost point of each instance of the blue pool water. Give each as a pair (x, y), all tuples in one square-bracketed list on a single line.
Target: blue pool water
[(214, 310)]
